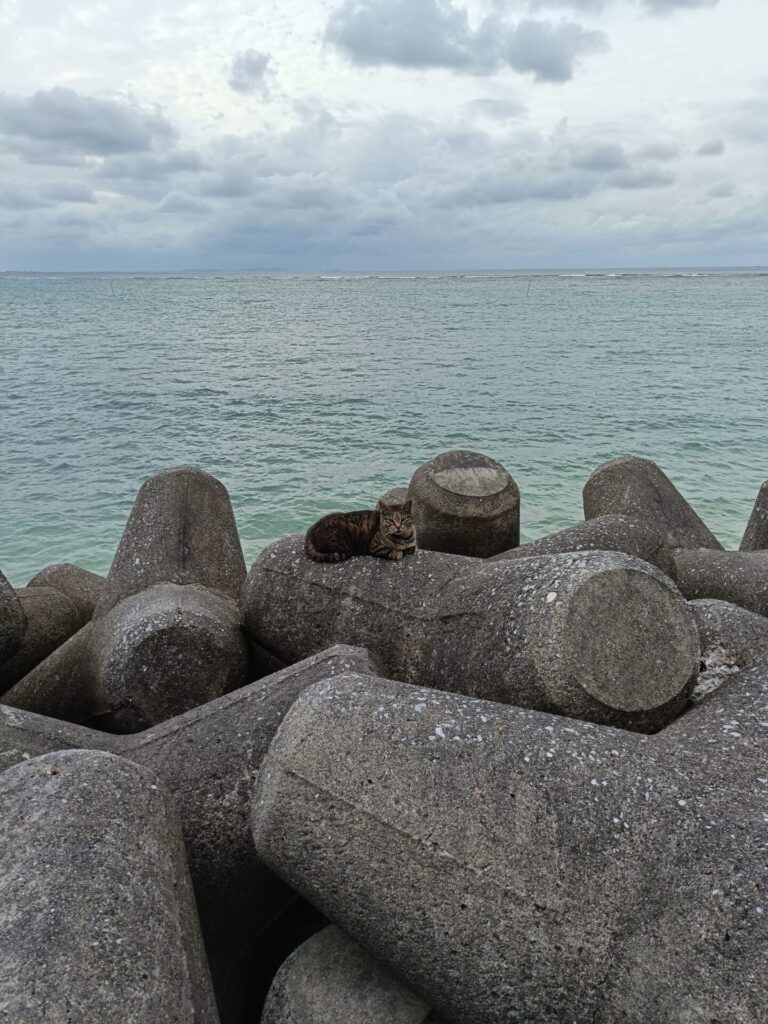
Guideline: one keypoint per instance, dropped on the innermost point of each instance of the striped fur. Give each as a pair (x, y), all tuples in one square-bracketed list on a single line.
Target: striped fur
[(385, 532)]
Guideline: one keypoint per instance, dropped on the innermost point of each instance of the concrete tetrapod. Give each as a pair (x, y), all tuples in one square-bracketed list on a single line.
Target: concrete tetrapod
[(756, 534), (741, 634), (155, 655), (395, 496), (181, 530), (740, 577), (99, 921), (329, 979), (83, 588), (465, 503), (633, 536), (13, 622), (596, 635), (24, 735), (637, 487), (510, 865), (51, 620), (207, 759)]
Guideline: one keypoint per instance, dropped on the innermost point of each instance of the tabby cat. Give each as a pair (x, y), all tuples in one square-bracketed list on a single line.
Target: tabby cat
[(387, 532)]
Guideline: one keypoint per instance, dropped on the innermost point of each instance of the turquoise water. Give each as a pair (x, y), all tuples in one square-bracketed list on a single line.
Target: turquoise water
[(308, 393)]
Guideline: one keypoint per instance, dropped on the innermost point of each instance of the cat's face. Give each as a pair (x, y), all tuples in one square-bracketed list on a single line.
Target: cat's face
[(396, 524)]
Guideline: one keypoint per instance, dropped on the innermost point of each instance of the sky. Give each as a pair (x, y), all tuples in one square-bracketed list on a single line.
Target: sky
[(382, 134)]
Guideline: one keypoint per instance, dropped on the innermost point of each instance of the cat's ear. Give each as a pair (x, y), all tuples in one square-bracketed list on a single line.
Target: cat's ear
[(382, 506), (407, 506)]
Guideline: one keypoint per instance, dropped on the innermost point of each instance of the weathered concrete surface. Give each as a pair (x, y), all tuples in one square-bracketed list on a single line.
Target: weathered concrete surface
[(637, 487), (296, 607), (756, 534), (24, 735), (51, 620), (157, 654), (13, 622), (63, 686), (740, 577), (465, 503), (743, 634), (510, 865), (596, 635), (208, 759), (166, 650), (83, 588), (181, 530), (633, 536), (329, 979), (395, 496), (98, 920)]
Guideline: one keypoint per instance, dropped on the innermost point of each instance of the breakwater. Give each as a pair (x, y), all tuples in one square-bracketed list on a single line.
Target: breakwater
[(480, 784)]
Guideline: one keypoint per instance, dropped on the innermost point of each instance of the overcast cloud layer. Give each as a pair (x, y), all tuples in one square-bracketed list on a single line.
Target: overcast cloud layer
[(382, 134)]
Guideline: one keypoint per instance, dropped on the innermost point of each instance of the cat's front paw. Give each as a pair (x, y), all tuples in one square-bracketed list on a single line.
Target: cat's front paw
[(395, 556)]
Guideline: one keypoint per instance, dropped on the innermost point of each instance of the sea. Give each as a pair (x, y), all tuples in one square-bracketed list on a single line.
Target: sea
[(307, 393)]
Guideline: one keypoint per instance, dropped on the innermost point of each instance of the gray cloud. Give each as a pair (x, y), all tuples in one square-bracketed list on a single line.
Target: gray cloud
[(151, 166), (714, 147), (599, 157), (18, 196), (660, 151), (64, 121), (496, 109), (70, 192), (249, 72), (369, 191), (669, 6), (651, 6), (180, 202), (436, 34), (649, 177)]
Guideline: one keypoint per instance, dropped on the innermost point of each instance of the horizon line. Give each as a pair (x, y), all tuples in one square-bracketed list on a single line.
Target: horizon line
[(406, 270)]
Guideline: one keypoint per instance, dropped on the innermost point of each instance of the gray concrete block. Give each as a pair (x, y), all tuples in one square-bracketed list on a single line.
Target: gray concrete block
[(63, 686), (395, 496), (596, 635), (731, 638), (638, 537), (181, 530), (329, 979), (756, 534), (98, 920), (13, 622), (51, 620), (465, 503), (208, 760), (24, 735), (740, 577), (83, 588), (166, 650), (743, 634), (510, 865), (637, 487), (157, 654)]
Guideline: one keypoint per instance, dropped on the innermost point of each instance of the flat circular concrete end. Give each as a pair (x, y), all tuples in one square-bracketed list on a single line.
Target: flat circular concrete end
[(463, 474), (167, 651), (465, 503), (631, 640)]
